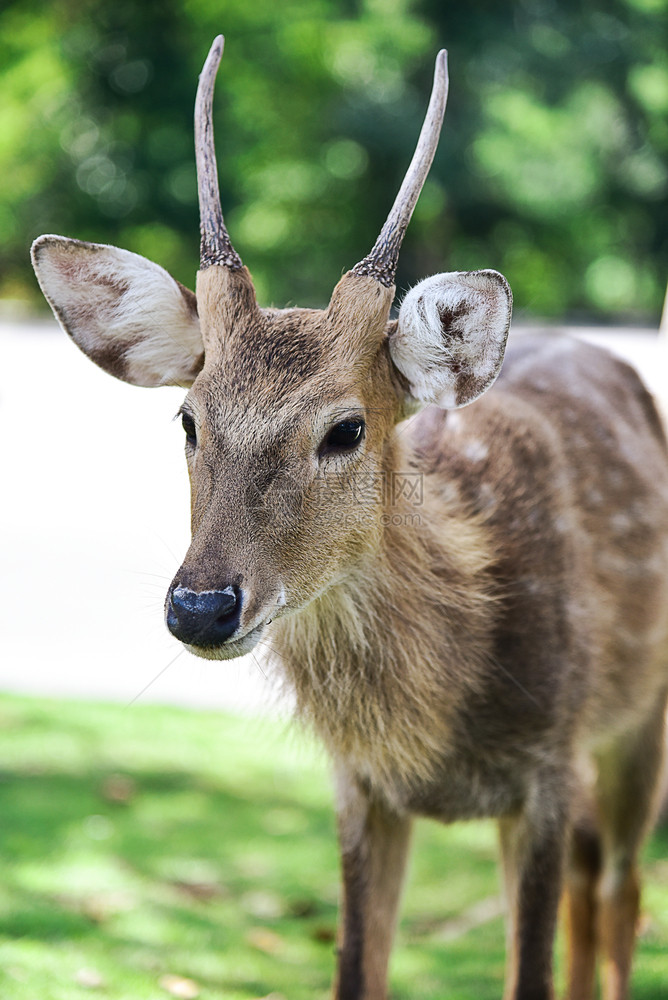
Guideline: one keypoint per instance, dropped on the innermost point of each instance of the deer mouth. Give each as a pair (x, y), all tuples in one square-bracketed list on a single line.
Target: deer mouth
[(231, 648)]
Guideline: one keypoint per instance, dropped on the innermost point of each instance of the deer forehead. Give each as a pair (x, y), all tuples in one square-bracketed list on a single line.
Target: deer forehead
[(303, 366), (251, 401), (256, 407)]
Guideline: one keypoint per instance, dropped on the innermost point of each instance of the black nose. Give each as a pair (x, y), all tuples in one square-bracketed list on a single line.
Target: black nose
[(203, 618)]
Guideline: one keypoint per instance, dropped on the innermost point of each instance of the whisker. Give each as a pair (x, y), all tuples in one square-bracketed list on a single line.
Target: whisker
[(154, 679), (142, 572), (166, 544), (257, 664)]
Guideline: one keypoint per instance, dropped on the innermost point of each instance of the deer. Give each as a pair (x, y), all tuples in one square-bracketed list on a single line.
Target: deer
[(461, 571)]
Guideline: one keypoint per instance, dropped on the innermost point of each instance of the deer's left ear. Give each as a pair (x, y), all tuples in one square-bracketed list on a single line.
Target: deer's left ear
[(451, 336), (125, 312)]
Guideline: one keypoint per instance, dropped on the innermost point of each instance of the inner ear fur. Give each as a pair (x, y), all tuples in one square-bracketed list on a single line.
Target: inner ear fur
[(126, 313), (451, 336)]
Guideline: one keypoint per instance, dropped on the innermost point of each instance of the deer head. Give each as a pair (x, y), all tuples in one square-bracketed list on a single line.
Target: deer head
[(288, 411)]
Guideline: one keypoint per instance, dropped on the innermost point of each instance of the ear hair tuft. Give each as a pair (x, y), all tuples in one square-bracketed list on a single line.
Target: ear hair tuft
[(451, 336)]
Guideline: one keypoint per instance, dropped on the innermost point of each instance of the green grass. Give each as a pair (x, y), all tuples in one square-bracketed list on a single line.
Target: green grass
[(139, 843)]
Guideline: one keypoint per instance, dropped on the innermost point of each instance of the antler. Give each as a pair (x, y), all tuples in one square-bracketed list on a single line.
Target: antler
[(381, 263), (215, 247)]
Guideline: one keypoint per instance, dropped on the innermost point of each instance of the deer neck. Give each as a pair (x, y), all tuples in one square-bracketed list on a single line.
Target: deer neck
[(382, 661)]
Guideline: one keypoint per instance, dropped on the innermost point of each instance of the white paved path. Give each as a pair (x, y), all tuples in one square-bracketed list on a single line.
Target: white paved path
[(94, 522)]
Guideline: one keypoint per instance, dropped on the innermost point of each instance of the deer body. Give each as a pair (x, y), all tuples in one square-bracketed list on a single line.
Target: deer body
[(521, 627), (499, 648), (540, 558)]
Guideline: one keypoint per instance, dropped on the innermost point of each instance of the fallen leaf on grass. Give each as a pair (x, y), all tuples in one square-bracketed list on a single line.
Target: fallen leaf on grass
[(323, 934), (101, 906), (265, 940), (303, 907), (201, 891), (90, 979), (98, 906), (263, 905), (179, 986), (477, 915), (118, 788)]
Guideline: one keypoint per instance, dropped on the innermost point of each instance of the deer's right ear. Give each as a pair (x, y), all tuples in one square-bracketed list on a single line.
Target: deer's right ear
[(451, 336), (126, 313)]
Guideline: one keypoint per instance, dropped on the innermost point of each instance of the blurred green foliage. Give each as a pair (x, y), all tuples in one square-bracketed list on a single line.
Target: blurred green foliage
[(552, 166)]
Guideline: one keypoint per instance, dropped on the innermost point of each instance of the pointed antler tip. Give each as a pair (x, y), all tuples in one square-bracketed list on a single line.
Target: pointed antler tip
[(441, 67), (212, 61)]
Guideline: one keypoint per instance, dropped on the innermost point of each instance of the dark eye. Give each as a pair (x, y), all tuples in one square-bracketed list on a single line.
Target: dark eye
[(343, 437), (189, 428)]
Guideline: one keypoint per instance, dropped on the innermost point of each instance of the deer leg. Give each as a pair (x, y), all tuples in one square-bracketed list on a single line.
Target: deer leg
[(581, 910), (626, 791), (532, 847), (374, 847)]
